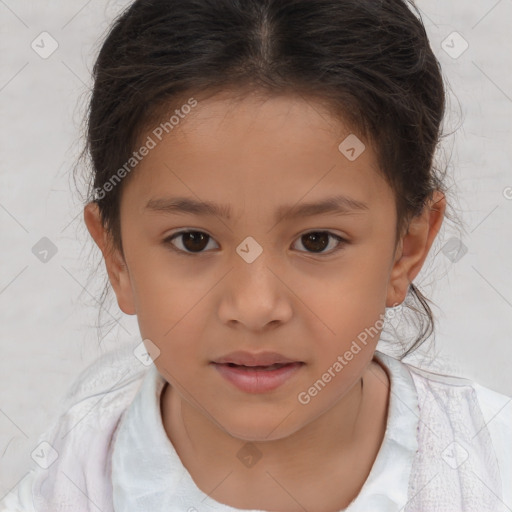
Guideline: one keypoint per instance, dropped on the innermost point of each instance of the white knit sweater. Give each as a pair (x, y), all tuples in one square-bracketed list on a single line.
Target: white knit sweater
[(447, 447)]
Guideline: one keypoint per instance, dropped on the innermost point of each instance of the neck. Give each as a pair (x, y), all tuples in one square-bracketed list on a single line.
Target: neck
[(322, 466), (335, 435)]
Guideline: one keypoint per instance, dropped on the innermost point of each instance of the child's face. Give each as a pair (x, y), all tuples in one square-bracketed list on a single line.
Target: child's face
[(299, 298)]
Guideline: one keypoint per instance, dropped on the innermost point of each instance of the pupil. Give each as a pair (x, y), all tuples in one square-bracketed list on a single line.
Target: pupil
[(320, 239), (195, 237)]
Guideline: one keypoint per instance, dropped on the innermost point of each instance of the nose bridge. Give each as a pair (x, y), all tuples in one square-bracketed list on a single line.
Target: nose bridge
[(254, 296), (253, 262)]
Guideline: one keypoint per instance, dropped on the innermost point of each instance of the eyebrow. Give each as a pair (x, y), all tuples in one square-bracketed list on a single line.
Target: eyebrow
[(341, 205)]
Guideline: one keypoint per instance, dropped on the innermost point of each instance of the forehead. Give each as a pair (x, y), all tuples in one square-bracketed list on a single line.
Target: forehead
[(256, 150)]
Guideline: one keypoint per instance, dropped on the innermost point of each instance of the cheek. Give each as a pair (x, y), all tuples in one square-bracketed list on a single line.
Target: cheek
[(369, 279), (161, 306), (161, 289), (349, 316), (353, 296), (171, 311)]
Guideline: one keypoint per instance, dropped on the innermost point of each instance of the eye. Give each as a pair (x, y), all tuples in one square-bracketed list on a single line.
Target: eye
[(317, 241), (193, 241)]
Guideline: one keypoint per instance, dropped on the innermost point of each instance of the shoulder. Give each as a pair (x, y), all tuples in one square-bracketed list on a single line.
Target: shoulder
[(445, 388), (78, 442), (473, 421), (497, 411), (463, 398), (109, 372)]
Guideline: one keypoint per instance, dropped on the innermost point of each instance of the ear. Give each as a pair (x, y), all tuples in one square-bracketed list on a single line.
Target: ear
[(117, 270), (413, 248)]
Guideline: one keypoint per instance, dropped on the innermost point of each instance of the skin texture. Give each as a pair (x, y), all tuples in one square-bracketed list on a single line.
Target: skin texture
[(256, 155)]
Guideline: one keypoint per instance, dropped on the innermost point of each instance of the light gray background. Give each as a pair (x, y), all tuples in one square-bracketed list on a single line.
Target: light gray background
[(48, 310)]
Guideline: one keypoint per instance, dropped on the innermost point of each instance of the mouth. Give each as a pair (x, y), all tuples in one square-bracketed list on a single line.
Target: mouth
[(258, 378), (261, 360), (267, 368)]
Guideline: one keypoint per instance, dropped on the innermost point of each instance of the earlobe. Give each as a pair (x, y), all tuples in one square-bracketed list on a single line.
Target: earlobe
[(414, 247), (117, 269)]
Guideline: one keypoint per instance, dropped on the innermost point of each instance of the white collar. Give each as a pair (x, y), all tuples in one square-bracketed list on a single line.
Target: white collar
[(147, 473)]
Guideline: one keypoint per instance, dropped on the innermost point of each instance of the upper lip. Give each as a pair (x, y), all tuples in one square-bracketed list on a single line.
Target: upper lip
[(254, 359)]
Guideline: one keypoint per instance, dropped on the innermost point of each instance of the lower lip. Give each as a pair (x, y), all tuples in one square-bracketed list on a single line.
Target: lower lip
[(257, 381)]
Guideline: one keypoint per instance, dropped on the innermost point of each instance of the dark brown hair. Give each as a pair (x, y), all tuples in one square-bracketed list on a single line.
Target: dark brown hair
[(368, 61)]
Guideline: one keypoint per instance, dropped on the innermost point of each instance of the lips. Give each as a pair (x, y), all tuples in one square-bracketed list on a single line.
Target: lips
[(261, 360), (258, 379), (271, 367)]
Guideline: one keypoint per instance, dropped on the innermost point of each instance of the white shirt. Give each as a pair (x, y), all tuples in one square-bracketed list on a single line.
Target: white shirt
[(447, 447)]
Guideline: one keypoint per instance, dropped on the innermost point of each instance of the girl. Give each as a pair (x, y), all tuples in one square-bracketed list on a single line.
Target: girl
[(263, 189)]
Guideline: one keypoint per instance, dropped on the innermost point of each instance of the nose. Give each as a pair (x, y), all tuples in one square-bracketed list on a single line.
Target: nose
[(256, 295)]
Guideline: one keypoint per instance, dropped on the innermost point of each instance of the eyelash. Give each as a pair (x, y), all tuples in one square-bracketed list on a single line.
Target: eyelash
[(168, 242)]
